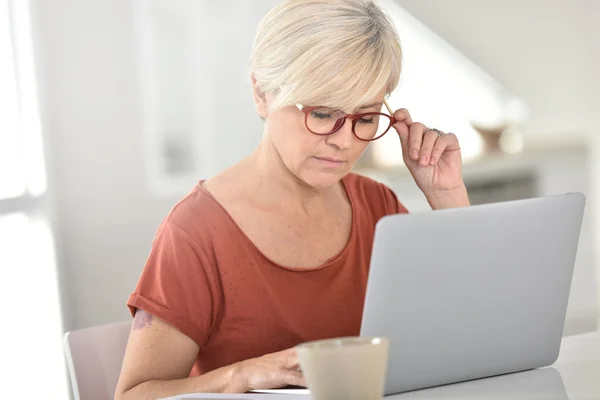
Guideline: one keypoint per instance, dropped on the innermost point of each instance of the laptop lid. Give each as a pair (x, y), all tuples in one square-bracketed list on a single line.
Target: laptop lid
[(472, 292)]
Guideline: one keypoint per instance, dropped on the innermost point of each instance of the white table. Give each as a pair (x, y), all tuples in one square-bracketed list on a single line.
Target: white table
[(575, 376)]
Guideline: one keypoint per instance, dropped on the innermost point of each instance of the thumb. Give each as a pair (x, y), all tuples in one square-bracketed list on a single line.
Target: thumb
[(295, 378)]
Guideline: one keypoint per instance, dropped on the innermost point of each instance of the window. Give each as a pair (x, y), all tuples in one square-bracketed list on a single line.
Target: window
[(177, 151), (31, 340), (21, 155)]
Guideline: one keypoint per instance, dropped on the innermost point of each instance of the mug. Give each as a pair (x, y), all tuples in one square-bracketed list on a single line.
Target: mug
[(350, 368)]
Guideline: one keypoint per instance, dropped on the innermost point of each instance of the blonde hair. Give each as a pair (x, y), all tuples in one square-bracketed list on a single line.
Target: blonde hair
[(338, 53)]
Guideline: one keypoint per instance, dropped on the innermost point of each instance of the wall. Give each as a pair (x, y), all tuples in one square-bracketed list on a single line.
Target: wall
[(92, 131), (593, 65), (107, 217), (546, 51), (537, 48)]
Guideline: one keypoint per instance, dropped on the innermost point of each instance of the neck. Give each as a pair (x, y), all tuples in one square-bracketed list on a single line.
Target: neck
[(277, 183)]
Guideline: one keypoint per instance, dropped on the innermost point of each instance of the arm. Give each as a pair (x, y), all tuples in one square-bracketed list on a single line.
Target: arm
[(159, 358), (449, 199), (158, 361), (434, 160)]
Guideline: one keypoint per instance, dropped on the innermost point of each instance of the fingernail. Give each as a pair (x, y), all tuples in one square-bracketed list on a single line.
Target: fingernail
[(415, 155), (432, 161), (424, 160)]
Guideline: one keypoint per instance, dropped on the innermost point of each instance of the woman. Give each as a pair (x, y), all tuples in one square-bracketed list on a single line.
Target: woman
[(275, 250)]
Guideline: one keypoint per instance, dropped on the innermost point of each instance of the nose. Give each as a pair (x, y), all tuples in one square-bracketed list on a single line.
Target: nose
[(343, 138)]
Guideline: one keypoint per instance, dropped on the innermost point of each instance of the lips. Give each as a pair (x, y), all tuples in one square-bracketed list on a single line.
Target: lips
[(331, 160)]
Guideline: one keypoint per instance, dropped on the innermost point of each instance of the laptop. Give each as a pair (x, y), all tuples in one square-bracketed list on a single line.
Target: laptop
[(472, 292)]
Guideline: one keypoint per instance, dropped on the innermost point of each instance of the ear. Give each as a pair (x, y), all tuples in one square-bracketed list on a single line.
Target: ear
[(260, 99)]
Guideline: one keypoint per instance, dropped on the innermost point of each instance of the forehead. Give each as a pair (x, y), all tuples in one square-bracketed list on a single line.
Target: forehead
[(349, 104), (358, 109), (377, 102)]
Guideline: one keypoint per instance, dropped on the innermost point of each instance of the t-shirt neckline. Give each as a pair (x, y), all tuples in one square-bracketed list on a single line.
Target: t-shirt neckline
[(333, 261)]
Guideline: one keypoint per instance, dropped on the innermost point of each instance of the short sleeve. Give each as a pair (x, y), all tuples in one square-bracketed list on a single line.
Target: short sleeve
[(178, 284), (393, 205)]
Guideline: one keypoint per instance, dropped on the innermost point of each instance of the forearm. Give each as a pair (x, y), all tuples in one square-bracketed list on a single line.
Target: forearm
[(222, 380), (449, 199)]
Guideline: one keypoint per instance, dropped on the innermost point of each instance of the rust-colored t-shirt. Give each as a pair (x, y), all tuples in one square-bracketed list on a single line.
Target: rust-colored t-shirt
[(205, 277)]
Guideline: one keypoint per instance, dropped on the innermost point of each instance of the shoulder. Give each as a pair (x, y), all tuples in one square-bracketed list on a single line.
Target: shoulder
[(195, 216), (183, 247), (180, 280), (370, 193)]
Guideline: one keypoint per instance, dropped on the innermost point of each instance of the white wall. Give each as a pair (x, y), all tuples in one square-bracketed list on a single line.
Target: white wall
[(593, 64), (107, 220), (537, 48), (107, 217)]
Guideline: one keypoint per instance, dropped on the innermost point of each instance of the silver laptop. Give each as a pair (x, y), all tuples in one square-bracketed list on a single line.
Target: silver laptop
[(472, 292)]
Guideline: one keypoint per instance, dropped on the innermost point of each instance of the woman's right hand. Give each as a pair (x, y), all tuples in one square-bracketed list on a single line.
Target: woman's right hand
[(271, 371)]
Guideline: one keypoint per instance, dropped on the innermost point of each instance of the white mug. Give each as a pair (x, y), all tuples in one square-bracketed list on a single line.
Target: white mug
[(351, 368)]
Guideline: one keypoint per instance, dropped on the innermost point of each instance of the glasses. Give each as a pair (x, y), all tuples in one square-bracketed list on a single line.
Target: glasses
[(367, 127)]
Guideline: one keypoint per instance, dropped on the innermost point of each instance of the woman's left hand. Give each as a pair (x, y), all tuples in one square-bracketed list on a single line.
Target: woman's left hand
[(434, 160)]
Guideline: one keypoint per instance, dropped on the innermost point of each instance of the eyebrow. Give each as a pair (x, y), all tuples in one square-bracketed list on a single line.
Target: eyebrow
[(370, 105), (362, 107)]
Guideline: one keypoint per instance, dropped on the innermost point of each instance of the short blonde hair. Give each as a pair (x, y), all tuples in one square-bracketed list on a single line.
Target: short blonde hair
[(338, 53)]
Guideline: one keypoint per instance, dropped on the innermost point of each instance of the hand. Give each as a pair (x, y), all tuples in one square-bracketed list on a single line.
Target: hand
[(271, 371), (434, 161)]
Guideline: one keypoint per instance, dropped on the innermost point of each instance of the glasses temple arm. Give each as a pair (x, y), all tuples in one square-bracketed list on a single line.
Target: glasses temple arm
[(388, 107)]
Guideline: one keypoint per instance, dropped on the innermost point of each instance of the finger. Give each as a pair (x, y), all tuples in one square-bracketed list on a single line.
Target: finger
[(447, 142), (402, 123), (295, 378), (429, 140), (290, 358), (403, 131), (402, 115), (415, 140)]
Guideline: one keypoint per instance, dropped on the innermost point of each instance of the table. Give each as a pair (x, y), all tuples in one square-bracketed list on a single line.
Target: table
[(575, 376)]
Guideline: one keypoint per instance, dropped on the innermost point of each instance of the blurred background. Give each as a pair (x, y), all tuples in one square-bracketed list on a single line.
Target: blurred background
[(111, 110)]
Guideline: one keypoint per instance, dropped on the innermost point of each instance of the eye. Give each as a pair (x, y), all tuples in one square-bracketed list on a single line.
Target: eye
[(321, 114), (367, 120), (325, 113)]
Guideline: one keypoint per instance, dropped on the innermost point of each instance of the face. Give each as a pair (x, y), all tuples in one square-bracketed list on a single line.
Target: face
[(319, 161)]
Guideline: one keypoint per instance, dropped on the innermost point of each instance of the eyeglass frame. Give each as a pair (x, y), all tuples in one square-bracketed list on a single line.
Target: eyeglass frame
[(353, 117)]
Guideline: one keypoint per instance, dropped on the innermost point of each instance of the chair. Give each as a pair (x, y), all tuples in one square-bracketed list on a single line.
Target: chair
[(94, 358)]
